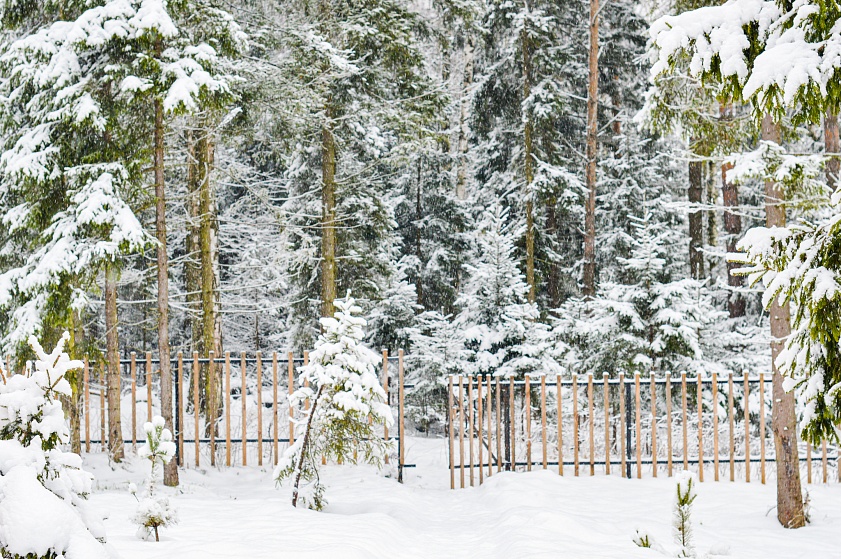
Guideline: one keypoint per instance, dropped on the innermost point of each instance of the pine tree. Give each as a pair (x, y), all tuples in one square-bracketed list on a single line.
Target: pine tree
[(343, 399), (765, 74), (155, 511), (71, 170), (37, 478), (682, 523), (360, 93), (500, 328), (649, 317)]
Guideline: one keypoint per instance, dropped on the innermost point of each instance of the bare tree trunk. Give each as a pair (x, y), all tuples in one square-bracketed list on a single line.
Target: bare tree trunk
[(553, 284), (696, 220), (418, 247), (73, 404), (115, 431), (784, 423), (711, 214), (833, 145), (328, 219), (589, 272), (209, 259), (529, 166), (467, 82), (171, 468), (305, 447), (733, 228), (192, 269)]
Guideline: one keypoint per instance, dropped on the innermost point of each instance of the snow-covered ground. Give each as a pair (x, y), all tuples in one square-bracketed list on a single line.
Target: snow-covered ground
[(238, 512)]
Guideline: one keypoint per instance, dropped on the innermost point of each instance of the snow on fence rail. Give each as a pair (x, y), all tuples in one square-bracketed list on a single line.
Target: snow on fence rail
[(245, 430), (665, 423)]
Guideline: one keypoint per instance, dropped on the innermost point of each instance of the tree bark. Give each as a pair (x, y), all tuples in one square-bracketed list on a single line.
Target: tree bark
[(171, 468), (696, 220), (784, 423), (733, 228), (589, 272), (211, 329), (553, 283), (418, 246), (464, 101), (73, 404), (305, 447), (192, 268), (711, 214), (833, 145), (112, 345), (529, 166), (328, 219)]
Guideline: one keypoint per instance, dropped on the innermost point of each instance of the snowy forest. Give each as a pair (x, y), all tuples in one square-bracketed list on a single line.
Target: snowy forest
[(499, 188), (205, 177)]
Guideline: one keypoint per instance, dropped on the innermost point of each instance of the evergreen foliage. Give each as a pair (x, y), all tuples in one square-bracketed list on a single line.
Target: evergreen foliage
[(341, 399), (43, 487), (155, 511), (685, 495)]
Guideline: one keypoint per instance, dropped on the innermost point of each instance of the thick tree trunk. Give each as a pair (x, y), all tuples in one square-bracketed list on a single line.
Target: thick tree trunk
[(733, 228), (464, 102), (211, 329), (784, 423), (171, 468), (696, 220), (589, 272), (711, 214), (328, 221), (529, 168), (112, 345), (833, 145)]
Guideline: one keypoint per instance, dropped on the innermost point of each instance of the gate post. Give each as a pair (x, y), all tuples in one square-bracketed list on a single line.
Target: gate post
[(628, 430)]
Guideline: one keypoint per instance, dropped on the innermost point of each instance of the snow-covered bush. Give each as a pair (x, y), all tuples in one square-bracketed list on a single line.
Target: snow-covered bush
[(341, 393), (42, 488), (682, 522), (155, 511)]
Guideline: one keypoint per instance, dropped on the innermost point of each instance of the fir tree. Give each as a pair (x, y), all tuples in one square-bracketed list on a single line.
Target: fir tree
[(343, 399), (38, 479), (500, 328)]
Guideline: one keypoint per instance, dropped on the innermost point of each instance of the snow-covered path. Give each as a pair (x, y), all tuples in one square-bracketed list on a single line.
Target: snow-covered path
[(238, 513)]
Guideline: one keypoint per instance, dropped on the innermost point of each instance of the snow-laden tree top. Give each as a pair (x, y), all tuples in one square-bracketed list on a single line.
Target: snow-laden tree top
[(771, 53)]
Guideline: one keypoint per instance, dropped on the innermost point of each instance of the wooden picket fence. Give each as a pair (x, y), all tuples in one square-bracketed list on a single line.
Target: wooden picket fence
[(658, 422), (141, 375)]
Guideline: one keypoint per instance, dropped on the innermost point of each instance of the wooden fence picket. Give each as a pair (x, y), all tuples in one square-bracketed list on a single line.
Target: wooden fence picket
[(560, 426), (606, 395), (450, 429), (590, 418), (575, 423), (715, 423), (653, 425), (730, 416), (669, 434), (700, 397)]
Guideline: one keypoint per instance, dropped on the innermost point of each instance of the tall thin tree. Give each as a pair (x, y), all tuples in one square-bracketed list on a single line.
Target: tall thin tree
[(589, 275)]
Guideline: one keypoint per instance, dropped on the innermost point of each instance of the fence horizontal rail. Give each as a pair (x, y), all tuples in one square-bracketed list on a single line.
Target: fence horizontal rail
[(567, 381)]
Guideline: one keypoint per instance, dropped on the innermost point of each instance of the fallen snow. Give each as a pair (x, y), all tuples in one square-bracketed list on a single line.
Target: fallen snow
[(238, 512)]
